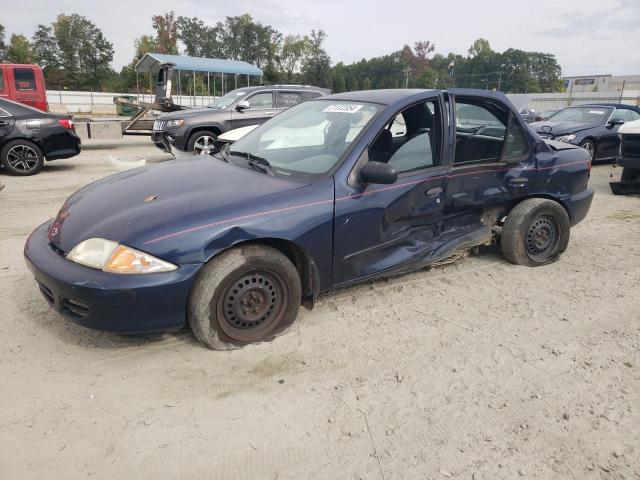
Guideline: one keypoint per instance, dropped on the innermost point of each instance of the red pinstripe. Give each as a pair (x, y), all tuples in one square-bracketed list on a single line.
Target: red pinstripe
[(340, 199)]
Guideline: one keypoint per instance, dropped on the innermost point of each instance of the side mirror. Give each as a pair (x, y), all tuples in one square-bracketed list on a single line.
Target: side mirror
[(618, 121), (242, 105), (378, 172)]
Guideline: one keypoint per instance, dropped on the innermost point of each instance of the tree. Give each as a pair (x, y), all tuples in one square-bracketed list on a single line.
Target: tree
[(3, 47), (19, 50), (166, 27), (199, 39), (294, 49), (317, 63)]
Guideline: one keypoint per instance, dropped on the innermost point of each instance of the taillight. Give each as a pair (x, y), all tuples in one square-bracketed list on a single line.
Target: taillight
[(67, 123)]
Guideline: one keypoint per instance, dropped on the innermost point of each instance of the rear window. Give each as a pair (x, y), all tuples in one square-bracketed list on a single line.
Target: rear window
[(25, 79)]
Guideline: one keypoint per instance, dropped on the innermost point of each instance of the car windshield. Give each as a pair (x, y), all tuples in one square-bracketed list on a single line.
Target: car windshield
[(227, 99), (581, 114), (307, 139)]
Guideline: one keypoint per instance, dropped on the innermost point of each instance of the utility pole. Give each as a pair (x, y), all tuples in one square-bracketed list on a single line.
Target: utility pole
[(406, 77), (499, 80), (436, 85), (622, 91)]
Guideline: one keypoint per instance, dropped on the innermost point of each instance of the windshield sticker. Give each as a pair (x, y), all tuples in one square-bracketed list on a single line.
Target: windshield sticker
[(599, 112), (343, 108)]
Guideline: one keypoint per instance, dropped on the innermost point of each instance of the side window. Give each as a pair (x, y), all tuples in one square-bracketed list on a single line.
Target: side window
[(1, 79), (261, 100), (310, 95), (411, 142), (481, 131), (287, 99), (515, 144), (625, 115), (25, 79), (632, 115)]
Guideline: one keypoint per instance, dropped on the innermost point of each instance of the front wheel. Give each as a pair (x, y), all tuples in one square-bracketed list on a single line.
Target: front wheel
[(246, 295), (590, 147), (202, 142), (535, 232)]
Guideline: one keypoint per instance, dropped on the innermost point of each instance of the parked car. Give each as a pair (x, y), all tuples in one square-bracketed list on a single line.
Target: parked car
[(197, 129), (320, 197), (593, 127), (629, 159), (23, 84), (29, 136)]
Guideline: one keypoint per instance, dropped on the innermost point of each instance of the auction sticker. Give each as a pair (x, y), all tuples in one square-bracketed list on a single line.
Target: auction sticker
[(599, 112), (343, 108)]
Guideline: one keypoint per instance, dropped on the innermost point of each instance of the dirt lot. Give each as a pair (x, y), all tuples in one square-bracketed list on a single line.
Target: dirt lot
[(476, 370)]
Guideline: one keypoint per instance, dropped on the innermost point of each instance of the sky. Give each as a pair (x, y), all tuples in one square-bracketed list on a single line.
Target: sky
[(587, 37)]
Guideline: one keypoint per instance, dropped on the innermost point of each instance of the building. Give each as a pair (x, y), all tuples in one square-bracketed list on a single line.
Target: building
[(601, 83)]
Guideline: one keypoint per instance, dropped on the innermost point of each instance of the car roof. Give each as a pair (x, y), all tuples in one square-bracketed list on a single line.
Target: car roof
[(611, 105), (382, 96)]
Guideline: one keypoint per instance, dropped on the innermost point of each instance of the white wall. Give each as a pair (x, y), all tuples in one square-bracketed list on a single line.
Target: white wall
[(545, 101), (84, 102)]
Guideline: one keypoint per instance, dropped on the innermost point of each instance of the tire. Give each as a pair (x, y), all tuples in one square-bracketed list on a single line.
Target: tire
[(21, 157), (246, 295), (200, 140), (630, 175), (590, 147), (535, 233)]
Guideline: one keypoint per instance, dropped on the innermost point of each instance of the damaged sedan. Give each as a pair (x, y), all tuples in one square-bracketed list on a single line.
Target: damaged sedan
[(332, 192)]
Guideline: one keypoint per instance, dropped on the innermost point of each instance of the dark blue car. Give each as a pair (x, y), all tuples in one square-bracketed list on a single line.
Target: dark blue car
[(331, 192)]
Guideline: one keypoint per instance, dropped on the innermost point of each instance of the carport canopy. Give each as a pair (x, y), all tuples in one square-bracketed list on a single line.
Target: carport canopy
[(152, 62)]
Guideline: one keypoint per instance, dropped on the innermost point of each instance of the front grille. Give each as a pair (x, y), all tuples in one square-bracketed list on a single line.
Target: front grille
[(47, 294), (630, 146), (73, 309), (159, 125)]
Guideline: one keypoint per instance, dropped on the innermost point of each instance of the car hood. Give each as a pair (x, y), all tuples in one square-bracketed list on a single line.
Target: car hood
[(560, 128), (189, 113), (133, 206)]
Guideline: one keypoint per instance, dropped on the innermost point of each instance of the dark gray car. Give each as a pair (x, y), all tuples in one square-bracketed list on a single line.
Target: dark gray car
[(197, 129)]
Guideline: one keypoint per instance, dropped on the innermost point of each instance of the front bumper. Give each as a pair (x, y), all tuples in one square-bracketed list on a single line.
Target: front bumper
[(579, 204), (165, 140), (107, 301)]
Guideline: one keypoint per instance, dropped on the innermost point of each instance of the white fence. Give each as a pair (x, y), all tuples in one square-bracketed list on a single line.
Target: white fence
[(102, 102), (540, 102)]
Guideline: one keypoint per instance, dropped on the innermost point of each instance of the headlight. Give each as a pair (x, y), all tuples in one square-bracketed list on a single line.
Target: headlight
[(174, 123), (566, 138), (110, 256)]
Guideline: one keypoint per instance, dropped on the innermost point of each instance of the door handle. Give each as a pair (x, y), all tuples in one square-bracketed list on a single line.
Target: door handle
[(432, 192), (518, 182), (3, 123)]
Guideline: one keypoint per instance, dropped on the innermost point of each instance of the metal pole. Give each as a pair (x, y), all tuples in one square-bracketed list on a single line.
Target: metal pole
[(236, 78), (222, 83), (622, 91), (208, 87), (137, 88), (214, 85), (248, 77), (499, 81), (193, 72), (179, 87)]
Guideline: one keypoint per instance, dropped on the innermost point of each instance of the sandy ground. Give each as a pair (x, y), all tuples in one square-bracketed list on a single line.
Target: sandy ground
[(476, 370)]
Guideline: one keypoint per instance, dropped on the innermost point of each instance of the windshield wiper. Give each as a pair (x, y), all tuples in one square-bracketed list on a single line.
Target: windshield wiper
[(223, 153), (255, 161)]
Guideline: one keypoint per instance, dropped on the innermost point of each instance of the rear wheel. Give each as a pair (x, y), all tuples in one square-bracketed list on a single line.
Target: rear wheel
[(202, 142), (536, 232), (246, 295), (21, 157), (630, 175)]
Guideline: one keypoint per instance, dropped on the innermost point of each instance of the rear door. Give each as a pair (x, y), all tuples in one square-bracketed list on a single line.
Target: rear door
[(379, 228), (7, 121), (261, 108), (4, 88), (493, 162)]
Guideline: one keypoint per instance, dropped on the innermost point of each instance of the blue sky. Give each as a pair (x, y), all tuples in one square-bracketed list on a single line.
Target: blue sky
[(599, 36)]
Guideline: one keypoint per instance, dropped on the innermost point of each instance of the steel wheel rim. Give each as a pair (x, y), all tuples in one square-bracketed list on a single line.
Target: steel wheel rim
[(541, 238), (203, 145), (252, 304), (588, 146), (22, 158)]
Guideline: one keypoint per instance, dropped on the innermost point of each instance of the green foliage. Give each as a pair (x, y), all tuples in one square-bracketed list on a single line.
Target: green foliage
[(166, 27), (317, 63), (19, 50), (3, 46)]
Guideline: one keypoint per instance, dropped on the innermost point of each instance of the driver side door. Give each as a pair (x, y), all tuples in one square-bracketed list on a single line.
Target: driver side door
[(381, 228), (261, 108)]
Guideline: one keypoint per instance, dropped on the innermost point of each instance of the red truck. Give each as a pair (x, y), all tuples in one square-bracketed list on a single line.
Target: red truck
[(24, 84)]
